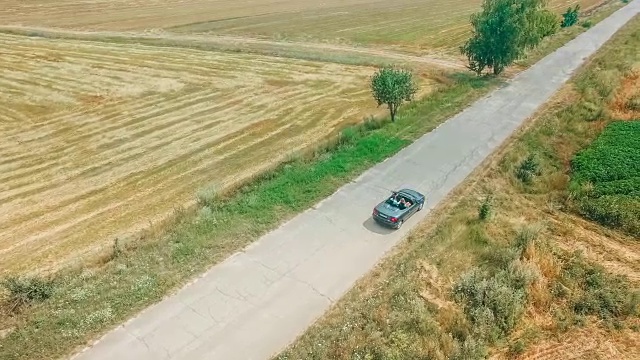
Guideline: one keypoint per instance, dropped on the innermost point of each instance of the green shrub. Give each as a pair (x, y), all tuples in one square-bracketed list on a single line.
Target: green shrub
[(484, 211), (527, 169), (587, 24), (27, 290), (570, 17), (372, 123), (547, 23)]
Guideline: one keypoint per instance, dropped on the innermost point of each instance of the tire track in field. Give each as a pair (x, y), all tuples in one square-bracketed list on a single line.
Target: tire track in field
[(75, 177), (240, 43)]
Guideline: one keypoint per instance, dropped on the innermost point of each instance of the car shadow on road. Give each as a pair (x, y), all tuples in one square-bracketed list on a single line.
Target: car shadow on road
[(373, 226)]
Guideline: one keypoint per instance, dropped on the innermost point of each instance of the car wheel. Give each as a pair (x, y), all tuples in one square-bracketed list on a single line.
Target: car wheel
[(399, 224), (420, 206)]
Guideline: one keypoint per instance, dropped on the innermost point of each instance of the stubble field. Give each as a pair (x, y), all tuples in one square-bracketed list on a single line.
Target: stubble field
[(423, 26), (101, 138)]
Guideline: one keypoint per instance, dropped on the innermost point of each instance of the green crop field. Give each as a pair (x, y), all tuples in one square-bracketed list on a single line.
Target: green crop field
[(607, 177)]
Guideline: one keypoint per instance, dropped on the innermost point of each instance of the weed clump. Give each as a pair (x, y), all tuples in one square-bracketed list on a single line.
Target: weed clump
[(208, 196), (26, 290), (528, 169), (470, 349), (587, 24), (484, 211), (633, 104)]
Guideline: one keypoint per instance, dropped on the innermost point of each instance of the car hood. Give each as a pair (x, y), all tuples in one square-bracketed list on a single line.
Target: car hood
[(387, 209)]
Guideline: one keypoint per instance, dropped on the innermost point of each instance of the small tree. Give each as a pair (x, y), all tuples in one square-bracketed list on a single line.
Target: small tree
[(392, 87), (570, 17), (504, 30), (547, 23)]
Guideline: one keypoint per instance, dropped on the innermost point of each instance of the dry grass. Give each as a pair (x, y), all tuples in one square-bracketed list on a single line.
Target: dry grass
[(404, 308), (100, 139)]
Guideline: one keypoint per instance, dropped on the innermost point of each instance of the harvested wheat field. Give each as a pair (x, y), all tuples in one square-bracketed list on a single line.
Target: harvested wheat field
[(414, 25), (100, 138)]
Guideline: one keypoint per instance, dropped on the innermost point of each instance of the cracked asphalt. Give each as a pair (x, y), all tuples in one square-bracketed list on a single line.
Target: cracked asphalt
[(258, 301)]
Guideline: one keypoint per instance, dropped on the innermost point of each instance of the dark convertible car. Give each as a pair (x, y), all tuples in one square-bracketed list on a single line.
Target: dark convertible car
[(395, 210)]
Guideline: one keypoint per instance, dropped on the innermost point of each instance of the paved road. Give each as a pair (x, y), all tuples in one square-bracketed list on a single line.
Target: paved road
[(258, 301)]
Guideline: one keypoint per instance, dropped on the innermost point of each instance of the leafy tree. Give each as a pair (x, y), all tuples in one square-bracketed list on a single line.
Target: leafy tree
[(393, 87), (570, 17), (504, 30)]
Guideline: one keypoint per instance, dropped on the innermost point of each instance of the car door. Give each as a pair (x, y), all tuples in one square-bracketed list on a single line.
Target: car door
[(414, 207)]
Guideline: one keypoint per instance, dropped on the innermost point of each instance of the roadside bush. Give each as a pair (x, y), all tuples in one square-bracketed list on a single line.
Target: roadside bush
[(570, 17), (493, 304), (207, 196), (470, 349), (26, 290), (528, 169), (494, 297)]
